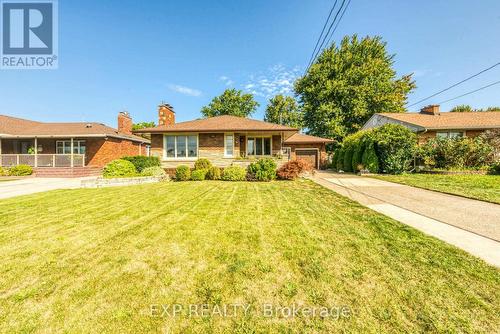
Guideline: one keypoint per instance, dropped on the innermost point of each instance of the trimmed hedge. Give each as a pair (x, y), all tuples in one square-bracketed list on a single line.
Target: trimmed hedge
[(348, 152), (20, 170), (213, 173), (119, 168), (262, 170), (369, 159), (141, 162), (234, 173), (340, 159), (202, 163), (153, 171), (396, 147), (182, 173), (198, 174)]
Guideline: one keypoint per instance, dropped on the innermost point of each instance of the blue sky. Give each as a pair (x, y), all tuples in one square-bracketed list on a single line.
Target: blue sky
[(131, 55)]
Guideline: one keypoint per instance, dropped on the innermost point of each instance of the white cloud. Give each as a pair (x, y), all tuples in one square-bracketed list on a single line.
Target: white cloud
[(227, 81), (184, 90), (276, 80)]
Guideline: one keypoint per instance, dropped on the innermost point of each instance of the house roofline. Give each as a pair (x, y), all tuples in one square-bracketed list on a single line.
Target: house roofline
[(9, 136)]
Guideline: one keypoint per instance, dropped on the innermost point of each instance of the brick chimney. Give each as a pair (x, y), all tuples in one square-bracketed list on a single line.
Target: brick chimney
[(166, 114), (432, 109), (124, 123)]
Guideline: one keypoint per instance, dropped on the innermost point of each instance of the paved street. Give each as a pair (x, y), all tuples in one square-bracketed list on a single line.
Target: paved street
[(33, 185)]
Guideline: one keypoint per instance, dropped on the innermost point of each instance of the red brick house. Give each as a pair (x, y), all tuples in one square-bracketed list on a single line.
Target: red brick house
[(71, 146), (225, 140), (431, 123)]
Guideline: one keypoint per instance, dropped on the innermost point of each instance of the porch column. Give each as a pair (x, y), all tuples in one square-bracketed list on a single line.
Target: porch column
[(71, 152), (36, 152)]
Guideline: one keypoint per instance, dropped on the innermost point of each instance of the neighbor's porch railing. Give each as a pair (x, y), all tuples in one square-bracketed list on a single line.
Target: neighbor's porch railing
[(43, 160)]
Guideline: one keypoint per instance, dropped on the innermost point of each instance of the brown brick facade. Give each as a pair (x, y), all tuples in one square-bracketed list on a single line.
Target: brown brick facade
[(323, 157), (425, 136)]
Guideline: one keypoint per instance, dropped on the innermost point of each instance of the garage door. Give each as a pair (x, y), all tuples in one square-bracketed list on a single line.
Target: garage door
[(309, 155)]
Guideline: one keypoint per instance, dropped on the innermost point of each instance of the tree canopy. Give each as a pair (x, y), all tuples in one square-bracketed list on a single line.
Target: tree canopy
[(468, 108), (143, 125), (347, 84), (231, 102), (283, 110)]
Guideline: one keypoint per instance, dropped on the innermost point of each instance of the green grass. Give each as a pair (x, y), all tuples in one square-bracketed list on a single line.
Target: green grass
[(7, 179), (482, 187), (95, 260)]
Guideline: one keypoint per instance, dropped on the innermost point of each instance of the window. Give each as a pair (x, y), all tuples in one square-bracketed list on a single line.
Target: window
[(259, 146), (228, 145), (178, 147), (64, 147), (451, 134)]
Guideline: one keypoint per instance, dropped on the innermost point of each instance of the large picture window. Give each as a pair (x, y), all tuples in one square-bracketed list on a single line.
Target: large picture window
[(259, 146), (64, 147), (178, 147), (451, 134)]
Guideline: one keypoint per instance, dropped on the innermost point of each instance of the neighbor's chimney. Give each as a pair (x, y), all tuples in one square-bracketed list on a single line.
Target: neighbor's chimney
[(432, 109), (124, 123), (166, 114)]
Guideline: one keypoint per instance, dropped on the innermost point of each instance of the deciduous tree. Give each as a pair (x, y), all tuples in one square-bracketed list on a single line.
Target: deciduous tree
[(231, 102)]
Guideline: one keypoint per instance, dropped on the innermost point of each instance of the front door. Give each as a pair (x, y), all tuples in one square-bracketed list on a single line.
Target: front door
[(309, 155)]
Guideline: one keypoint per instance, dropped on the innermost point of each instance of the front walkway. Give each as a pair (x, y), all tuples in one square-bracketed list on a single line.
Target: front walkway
[(469, 224), (33, 185)]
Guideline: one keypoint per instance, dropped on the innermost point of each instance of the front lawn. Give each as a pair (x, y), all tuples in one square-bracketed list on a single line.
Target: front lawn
[(482, 187), (106, 260)]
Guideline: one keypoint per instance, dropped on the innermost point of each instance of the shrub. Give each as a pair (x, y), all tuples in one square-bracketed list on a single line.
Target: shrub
[(141, 162), (3, 171), (334, 159), (213, 173), (395, 147), (234, 173), (293, 169), (357, 155), (198, 174), (340, 159), (262, 170), (348, 158), (459, 153), (182, 173), (21, 170), (202, 163), (495, 168), (154, 171), (119, 168), (369, 158)]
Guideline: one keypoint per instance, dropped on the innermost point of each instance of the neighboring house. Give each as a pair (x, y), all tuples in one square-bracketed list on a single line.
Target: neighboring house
[(66, 145), (431, 123), (225, 140)]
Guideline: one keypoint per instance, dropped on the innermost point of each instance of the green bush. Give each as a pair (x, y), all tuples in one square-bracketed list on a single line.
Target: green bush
[(369, 159), (334, 159), (202, 163), (119, 168), (348, 152), (182, 173), (357, 155), (3, 171), (154, 171), (141, 162), (495, 168), (395, 146), (198, 174), (213, 173), (21, 170), (234, 173), (340, 159), (262, 170), (456, 153)]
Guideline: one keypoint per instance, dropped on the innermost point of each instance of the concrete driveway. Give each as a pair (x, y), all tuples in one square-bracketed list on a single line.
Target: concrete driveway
[(34, 185), (469, 224)]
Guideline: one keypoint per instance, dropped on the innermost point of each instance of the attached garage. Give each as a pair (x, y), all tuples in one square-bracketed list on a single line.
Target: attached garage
[(310, 148)]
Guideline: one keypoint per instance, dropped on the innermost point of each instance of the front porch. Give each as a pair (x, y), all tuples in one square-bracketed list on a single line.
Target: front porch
[(43, 152)]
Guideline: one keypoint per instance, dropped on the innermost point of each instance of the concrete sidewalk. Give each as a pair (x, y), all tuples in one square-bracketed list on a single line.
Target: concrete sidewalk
[(469, 224), (34, 185)]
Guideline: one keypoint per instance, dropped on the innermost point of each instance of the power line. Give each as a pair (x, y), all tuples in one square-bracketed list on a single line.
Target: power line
[(322, 31), (458, 83), (340, 19), (328, 31), (468, 93), (326, 35)]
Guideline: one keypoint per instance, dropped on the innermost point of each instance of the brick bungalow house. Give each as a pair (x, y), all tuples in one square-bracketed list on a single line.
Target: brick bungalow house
[(67, 149), (431, 123), (226, 140)]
